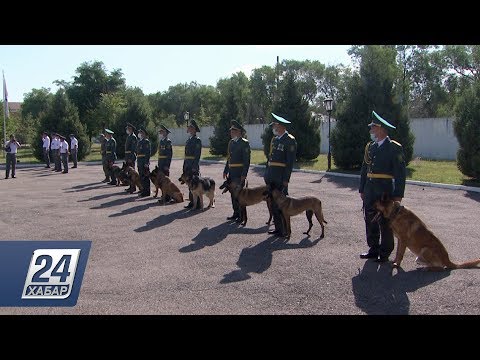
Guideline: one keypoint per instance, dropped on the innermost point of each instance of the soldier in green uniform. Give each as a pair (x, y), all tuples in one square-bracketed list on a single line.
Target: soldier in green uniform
[(165, 151), (191, 162), (283, 151), (103, 143), (130, 145), (143, 161), (383, 171), (238, 163), (110, 154)]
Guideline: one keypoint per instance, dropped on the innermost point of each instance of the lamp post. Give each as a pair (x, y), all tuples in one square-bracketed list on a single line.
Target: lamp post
[(328, 106)]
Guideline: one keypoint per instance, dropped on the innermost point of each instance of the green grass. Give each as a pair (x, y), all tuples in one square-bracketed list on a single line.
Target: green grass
[(438, 171)]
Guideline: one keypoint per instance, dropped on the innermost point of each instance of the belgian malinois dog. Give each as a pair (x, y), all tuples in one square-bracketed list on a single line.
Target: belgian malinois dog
[(411, 232), (247, 197), (167, 187), (134, 179), (290, 207)]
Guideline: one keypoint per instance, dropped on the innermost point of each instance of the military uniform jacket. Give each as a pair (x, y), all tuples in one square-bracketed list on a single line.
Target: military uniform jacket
[(238, 158), (165, 153), (380, 163), (131, 147), (193, 150), (143, 151), (111, 149), (103, 144), (282, 155)]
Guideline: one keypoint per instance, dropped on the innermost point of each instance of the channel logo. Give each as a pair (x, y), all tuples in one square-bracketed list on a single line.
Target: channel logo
[(42, 273), (51, 274)]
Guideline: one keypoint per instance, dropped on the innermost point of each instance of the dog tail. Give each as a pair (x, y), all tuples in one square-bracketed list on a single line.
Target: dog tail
[(472, 264)]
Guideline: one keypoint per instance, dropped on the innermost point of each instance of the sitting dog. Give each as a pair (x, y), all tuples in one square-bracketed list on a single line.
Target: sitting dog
[(411, 232), (170, 191), (134, 179), (247, 197), (291, 207), (120, 175), (199, 186)]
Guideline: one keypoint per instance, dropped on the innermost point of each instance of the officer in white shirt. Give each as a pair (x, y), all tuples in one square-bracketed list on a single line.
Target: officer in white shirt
[(73, 149), (46, 149), (11, 147), (64, 153), (55, 146)]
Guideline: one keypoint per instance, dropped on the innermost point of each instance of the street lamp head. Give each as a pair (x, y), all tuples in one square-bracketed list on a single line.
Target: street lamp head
[(186, 116), (328, 102)]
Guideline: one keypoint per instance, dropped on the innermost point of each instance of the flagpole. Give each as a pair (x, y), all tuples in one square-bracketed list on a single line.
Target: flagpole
[(5, 104)]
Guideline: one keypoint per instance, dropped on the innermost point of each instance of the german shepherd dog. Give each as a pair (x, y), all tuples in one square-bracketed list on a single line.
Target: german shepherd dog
[(167, 187), (247, 197), (120, 174), (134, 179), (412, 232), (291, 207), (199, 186)]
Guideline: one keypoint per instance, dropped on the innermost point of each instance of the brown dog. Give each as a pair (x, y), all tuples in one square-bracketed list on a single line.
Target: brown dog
[(134, 179), (291, 207), (167, 187), (411, 232), (247, 197)]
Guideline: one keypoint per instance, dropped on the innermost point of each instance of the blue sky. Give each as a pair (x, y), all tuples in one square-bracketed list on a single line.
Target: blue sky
[(152, 68)]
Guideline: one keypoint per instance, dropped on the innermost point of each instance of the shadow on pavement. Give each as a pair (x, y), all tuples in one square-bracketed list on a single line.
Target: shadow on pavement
[(83, 185), (114, 203), (100, 197), (473, 195), (98, 186), (134, 209), (378, 292), (163, 220), (258, 258), (212, 236)]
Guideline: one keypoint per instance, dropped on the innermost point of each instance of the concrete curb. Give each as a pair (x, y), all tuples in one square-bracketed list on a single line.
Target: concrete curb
[(410, 182)]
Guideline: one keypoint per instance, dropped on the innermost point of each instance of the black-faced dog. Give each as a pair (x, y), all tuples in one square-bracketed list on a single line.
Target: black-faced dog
[(412, 233), (247, 197), (290, 207), (121, 175), (199, 186)]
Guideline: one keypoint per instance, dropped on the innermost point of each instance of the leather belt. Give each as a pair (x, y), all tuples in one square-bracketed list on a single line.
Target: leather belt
[(235, 165), (189, 157), (379, 176), (274, 163)]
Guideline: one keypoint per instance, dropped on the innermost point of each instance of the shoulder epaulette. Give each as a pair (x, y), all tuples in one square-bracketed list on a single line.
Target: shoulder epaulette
[(396, 142), (291, 136), (246, 140)]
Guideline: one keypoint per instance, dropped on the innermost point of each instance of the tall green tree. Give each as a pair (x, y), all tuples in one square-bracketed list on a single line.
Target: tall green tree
[(137, 112), (293, 107), (373, 89), (34, 105), (62, 117), (467, 130), (234, 93), (89, 83)]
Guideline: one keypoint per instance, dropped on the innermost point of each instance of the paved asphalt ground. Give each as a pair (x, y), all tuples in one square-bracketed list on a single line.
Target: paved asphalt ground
[(152, 259)]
